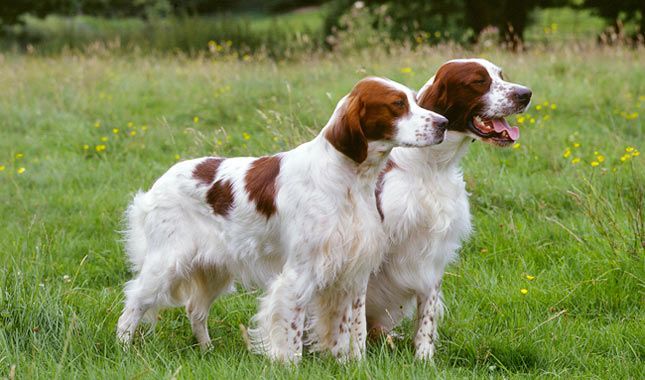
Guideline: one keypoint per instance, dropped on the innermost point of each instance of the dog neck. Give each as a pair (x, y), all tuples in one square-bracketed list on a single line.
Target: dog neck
[(437, 158)]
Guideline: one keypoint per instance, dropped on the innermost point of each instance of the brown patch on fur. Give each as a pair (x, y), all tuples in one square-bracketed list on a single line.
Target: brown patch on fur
[(206, 170), (368, 114), (389, 165), (457, 92), (261, 184), (220, 197)]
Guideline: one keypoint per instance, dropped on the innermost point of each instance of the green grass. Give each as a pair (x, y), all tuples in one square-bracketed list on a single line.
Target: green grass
[(535, 212)]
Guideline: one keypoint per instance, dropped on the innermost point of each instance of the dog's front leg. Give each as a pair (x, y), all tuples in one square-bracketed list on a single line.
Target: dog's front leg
[(358, 326), (281, 318), (428, 313)]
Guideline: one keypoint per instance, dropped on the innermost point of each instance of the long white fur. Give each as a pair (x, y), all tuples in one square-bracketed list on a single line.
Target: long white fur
[(427, 217), (314, 255)]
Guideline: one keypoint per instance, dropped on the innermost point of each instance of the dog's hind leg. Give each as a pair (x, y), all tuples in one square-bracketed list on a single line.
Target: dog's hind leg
[(148, 292), (207, 284)]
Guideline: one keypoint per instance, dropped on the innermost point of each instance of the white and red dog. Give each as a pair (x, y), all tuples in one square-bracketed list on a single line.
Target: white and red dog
[(423, 200), (303, 224)]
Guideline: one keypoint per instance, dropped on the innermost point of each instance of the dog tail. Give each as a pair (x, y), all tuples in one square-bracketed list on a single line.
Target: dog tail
[(136, 244)]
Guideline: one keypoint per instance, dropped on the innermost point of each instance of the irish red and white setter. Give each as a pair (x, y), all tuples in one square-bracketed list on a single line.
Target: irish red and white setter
[(423, 200), (302, 224)]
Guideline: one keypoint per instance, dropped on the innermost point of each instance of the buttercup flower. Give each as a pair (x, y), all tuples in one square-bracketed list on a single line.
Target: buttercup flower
[(524, 291), (21, 170), (529, 277)]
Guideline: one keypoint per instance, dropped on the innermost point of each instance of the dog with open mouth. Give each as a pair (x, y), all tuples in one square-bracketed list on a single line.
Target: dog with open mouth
[(422, 197)]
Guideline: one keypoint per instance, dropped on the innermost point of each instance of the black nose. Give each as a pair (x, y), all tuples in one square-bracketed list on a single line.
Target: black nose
[(522, 95), (440, 121)]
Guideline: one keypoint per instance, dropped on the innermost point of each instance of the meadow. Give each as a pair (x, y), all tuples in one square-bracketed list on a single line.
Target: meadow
[(550, 284)]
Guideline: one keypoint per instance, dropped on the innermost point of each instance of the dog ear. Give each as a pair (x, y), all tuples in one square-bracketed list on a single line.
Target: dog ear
[(435, 98), (346, 135)]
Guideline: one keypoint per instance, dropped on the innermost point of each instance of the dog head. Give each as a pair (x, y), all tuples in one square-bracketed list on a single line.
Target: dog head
[(382, 111), (474, 96)]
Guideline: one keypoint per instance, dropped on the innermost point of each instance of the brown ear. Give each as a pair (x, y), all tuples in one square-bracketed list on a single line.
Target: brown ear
[(346, 135), (435, 98)]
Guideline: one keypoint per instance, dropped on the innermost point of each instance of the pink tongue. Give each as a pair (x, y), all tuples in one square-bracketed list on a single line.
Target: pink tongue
[(501, 125)]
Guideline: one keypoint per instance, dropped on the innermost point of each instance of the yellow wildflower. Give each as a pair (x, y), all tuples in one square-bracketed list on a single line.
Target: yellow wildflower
[(546, 104), (625, 157), (529, 277), (115, 130), (538, 107), (177, 157), (554, 106), (144, 127), (636, 154), (600, 158), (100, 148), (86, 147), (246, 57), (576, 145), (104, 139), (520, 119), (130, 124), (21, 170), (575, 160), (219, 142), (532, 121), (246, 136), (437, 34), (406, 70), (595, 163), (196, 119), (2, 168), (97, 124), (567, 153), (19, 156), (629, 149), (132, 133), (212, 43), (517, 146), (524, 291)]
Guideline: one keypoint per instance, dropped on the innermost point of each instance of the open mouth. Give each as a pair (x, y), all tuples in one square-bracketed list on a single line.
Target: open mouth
[(496, 130)]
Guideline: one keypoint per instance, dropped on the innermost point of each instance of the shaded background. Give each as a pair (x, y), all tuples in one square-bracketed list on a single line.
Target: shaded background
[(283, 28)]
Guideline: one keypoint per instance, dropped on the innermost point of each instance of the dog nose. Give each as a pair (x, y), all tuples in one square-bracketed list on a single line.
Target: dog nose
[(523, 95), (440, 121)]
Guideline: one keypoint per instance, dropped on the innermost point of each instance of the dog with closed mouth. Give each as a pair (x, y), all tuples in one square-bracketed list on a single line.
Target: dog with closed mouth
[(302, 224), (423, 200)]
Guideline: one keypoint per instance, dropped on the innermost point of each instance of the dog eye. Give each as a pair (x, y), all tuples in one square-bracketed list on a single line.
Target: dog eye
[(399, 103), (479, 81)]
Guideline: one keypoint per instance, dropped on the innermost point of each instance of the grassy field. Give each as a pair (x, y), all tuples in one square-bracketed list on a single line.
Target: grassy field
[(550, 284)]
